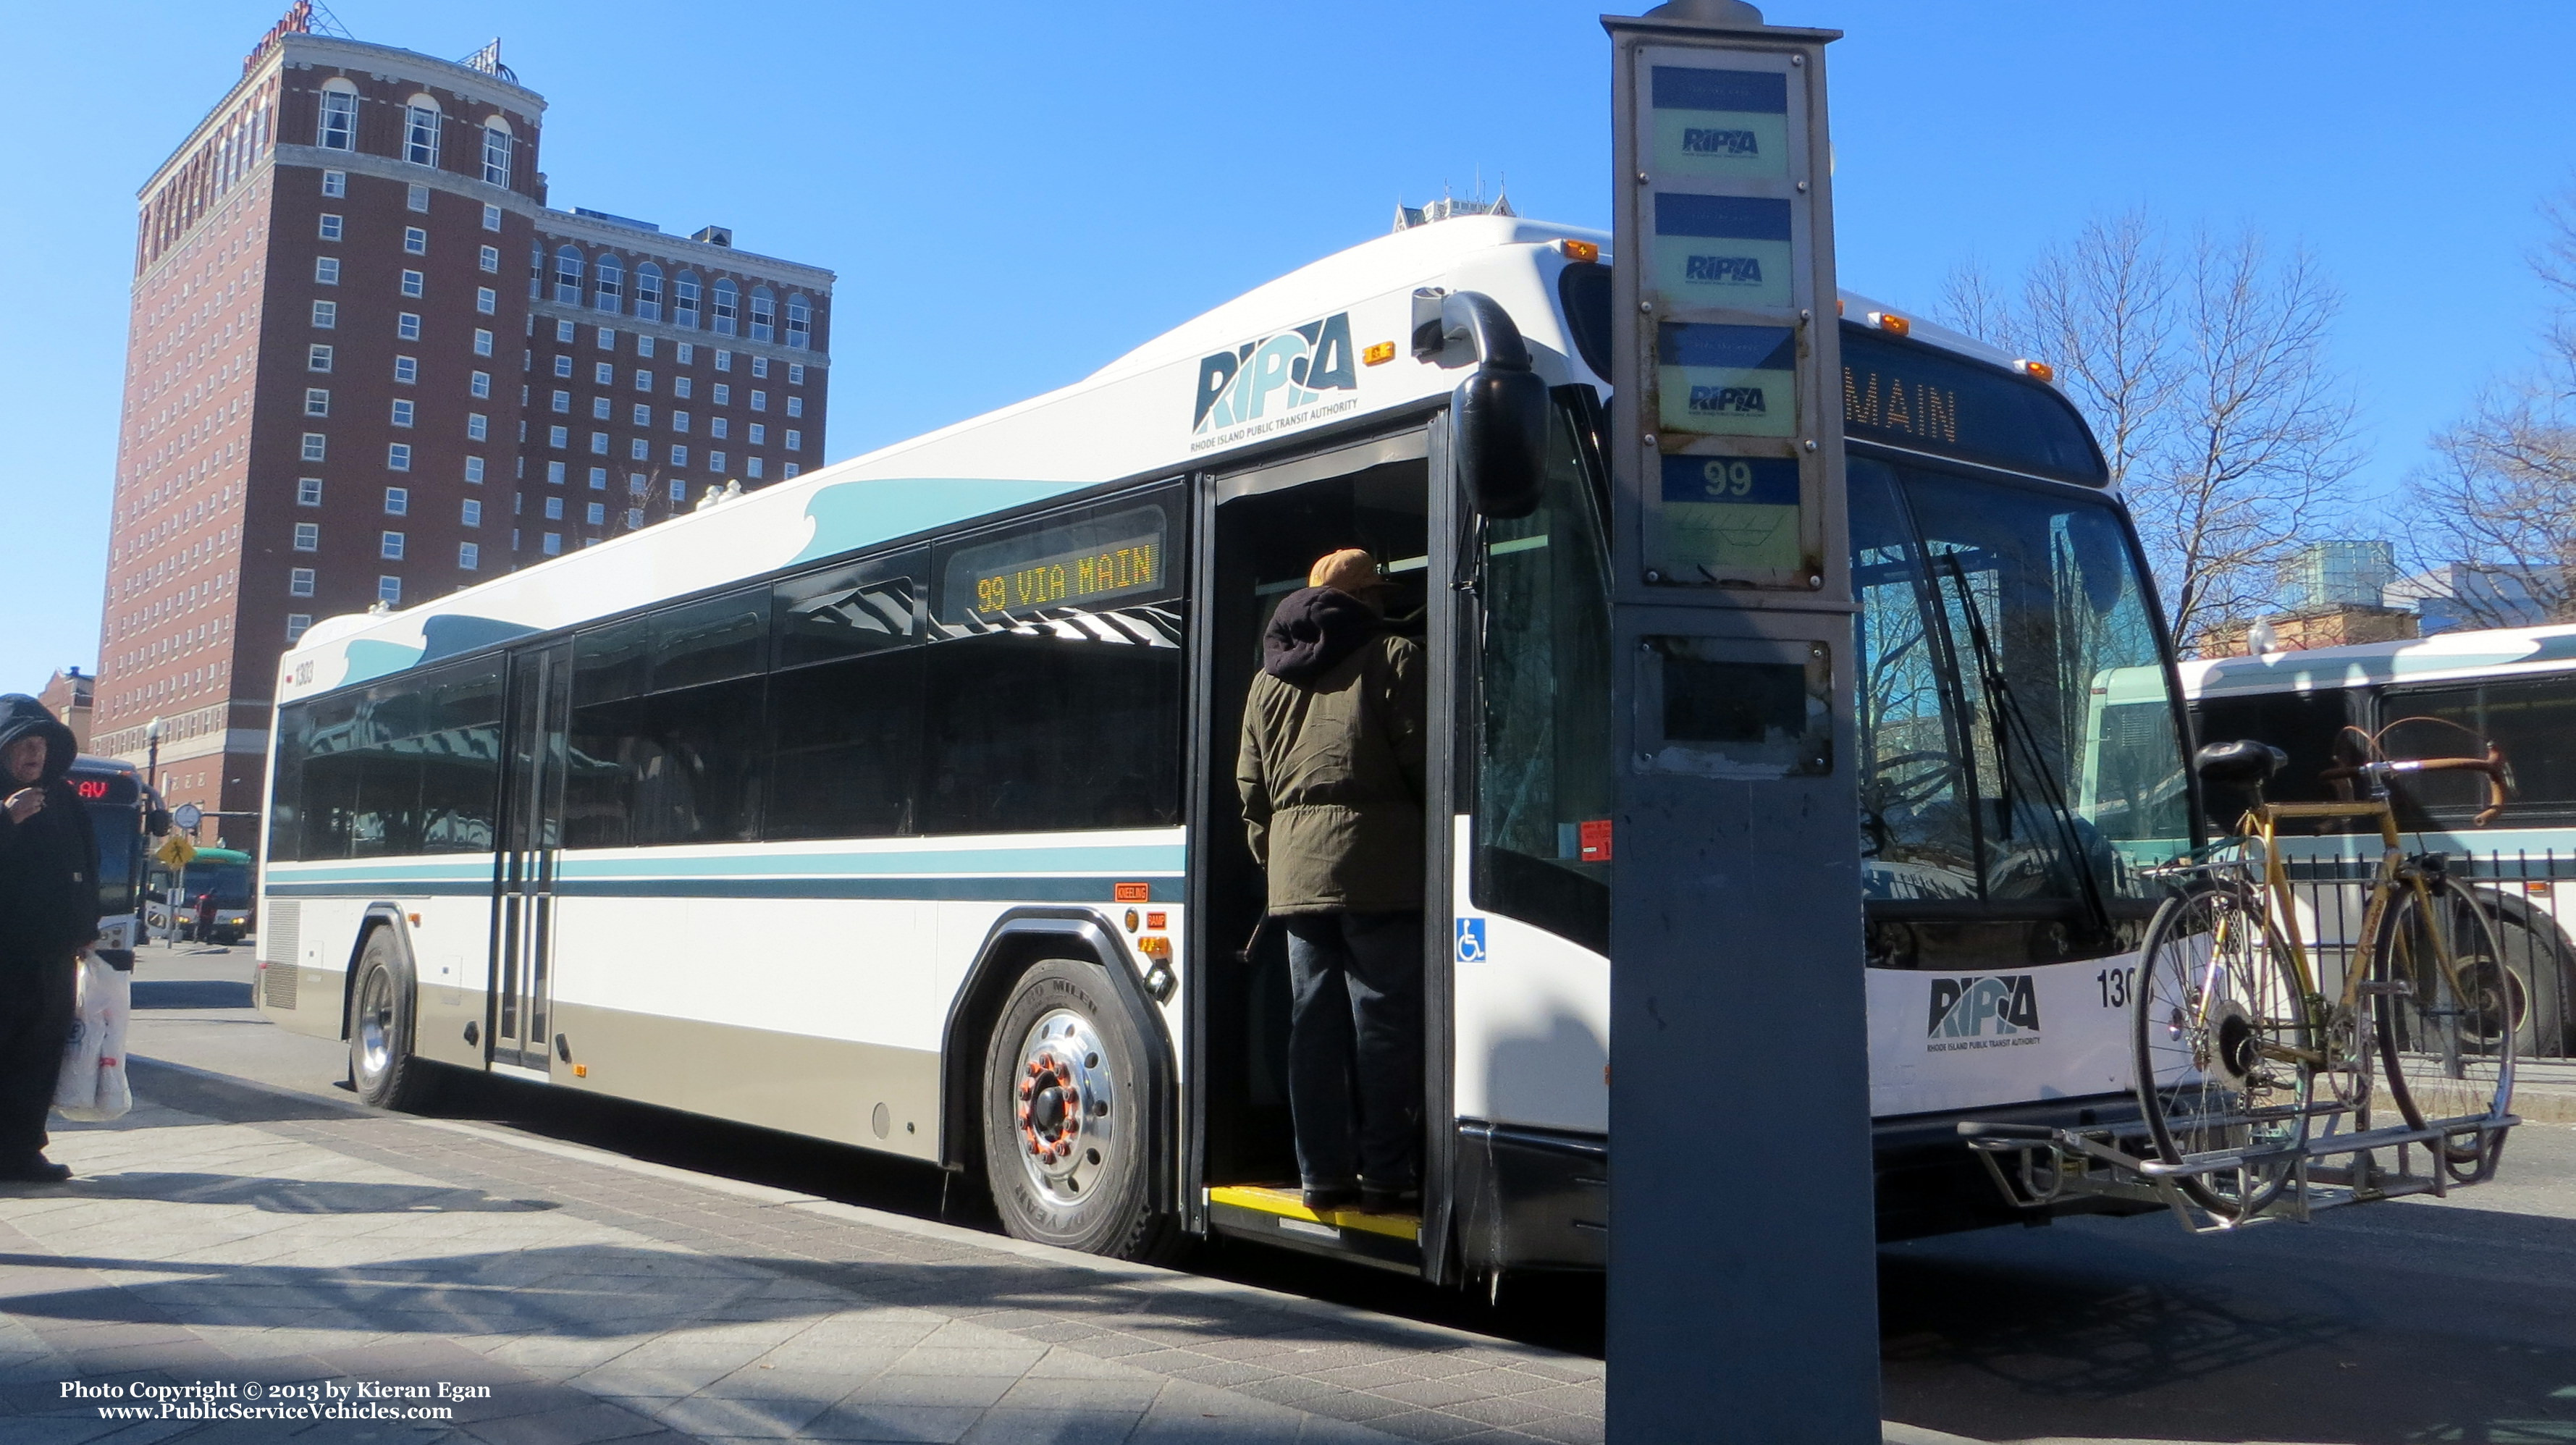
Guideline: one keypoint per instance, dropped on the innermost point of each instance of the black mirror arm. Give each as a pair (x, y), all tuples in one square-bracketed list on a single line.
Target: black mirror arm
[(1474, 317)]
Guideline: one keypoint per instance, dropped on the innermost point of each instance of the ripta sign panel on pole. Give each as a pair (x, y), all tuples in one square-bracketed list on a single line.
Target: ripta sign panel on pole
[(1743, 1286)]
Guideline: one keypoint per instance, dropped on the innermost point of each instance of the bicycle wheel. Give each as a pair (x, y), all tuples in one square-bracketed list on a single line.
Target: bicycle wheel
[(2222, 1045), (2447, 1009)]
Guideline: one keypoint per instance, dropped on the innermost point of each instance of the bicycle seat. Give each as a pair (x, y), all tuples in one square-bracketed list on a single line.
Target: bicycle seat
[(2244, 763)]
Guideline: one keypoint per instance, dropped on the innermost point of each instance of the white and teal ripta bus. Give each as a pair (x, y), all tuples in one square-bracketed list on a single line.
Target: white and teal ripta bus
[(893, 804)]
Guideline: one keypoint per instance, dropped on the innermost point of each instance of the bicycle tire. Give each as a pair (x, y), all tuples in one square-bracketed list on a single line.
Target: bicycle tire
[(2446, 1042), (2212, 1016)]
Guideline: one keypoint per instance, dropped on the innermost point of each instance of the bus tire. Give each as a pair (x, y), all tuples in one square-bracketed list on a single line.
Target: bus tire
[(381, 1063), (1067, 1146)]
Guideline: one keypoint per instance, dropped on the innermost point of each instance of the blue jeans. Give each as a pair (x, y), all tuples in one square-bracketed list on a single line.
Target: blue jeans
[(1355, 1048)]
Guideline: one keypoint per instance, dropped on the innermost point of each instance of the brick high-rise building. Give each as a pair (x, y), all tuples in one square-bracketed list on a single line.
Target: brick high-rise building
[(366, 363)]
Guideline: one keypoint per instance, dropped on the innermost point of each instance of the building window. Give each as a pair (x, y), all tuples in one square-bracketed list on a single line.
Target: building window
[(724, 362), (643, 381), (760, 366), (402, 412), (563, 401), (297, 622), (473, 513), (308, 536), (648, 292), (308, 491), (478, 427), (317, 401), (554, 509), (419, 199), (715, 461), (563, 367), (551, 544), (607, 338), (317, 357), (727, 304), (338, 130), (397, 501), (554, 474), (312, 446), (679, 491), (299, 582), (688, 353), (789, 470), (468, 556), (639, 450), (607, 283), (397, 456), (596, 513), (599, 479), (496, 161), (764, 314), (486, 300), (599, 443), (389, 590), (563, 334), (407, 368), (336, 183), (800, 324), (718, 427), (644, 347), (795, 377), (567, 283), (599, 408), (751, 467), (407, 326), (474, 470), (389, 546), (491, 257), (795, 440), (480, 384), (642, 414), (684, 303), (760, 401), (326, 315), (759, 434), (723, 395), (558, 437), (420, 136), (482, 342), (679, 456), (326, 270), (795, 406), (415, 240), (330, 226), (603, 373), (634, 518), (680, 387), (411, 283), (492, 222)]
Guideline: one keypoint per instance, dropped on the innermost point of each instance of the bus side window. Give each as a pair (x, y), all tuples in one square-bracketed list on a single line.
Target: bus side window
[(2531, 719), (845, 703), (2302, 724)]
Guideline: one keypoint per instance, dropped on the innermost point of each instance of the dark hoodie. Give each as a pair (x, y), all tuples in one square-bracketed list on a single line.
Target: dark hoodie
[(49, 863), (1331, 766)]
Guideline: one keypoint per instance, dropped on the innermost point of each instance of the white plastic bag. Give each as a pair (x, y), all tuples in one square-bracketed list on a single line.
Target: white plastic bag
[(92, 1088)]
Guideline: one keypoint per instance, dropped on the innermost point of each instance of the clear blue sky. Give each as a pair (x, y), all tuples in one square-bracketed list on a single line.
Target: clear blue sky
[(1016, 197)]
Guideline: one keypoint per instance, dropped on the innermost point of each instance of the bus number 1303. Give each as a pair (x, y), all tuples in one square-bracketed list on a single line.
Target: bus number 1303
[(2115, 984)]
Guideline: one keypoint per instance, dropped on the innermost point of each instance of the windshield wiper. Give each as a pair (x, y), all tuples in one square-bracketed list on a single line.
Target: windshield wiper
[(2014, 733)]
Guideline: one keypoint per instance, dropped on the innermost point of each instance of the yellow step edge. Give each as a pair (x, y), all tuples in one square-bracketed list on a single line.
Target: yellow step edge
[(1290, 1204)]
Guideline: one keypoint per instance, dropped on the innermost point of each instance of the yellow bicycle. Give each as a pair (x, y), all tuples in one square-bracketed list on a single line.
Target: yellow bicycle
[(2239, 1053)]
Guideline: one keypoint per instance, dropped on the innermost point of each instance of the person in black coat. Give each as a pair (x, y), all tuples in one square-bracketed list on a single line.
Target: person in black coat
[(48, 916)]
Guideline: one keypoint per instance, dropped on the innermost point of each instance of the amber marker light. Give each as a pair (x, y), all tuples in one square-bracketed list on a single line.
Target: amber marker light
[(1579, 250), (1890, 322), (2036, 370), (1378, 355)]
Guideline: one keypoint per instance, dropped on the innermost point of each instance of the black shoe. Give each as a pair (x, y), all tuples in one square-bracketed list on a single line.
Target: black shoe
[(1339, 1196), (35, 1169), (1390, 1201)]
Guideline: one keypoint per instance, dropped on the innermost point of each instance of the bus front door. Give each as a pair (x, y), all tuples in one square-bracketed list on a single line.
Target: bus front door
[(531, 841)]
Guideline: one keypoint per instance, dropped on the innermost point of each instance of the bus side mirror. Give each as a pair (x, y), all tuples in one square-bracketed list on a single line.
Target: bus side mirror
[(156, 822), (1498, 415)]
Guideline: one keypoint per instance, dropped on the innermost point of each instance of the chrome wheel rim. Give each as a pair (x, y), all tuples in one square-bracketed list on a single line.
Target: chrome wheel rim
[(1064, 1107), (375, 1025)]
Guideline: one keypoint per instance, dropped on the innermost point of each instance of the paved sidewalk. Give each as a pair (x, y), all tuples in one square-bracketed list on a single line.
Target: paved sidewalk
[(229, 1234)]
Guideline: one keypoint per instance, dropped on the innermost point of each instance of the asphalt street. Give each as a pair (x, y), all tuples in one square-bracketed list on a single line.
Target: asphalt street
[(2420, 1320)]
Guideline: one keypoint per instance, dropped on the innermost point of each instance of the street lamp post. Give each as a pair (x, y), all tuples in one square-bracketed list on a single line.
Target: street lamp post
[(152, 779)]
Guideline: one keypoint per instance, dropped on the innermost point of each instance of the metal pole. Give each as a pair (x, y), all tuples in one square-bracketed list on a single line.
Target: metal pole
[(1743, 1283)]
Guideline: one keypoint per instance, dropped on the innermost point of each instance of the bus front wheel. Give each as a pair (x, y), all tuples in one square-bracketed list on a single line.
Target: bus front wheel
[(381, 1065), (1066, 1117)]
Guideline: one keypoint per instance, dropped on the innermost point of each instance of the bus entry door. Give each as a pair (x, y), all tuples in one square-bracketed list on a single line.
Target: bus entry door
[(531, 842)]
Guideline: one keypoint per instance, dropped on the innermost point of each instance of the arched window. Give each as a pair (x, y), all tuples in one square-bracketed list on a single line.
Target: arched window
[(800, 321), (420, 130), (337, 127), (608, 282), (648, 292), (497, 141), (684, 300), (727, 306), (764, 314), (568, 276)]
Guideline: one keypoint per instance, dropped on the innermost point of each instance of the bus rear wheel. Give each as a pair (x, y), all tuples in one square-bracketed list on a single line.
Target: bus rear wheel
[(1066, 1118), (381, 1064)]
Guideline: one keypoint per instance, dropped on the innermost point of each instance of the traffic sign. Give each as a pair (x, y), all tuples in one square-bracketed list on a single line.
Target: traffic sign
[(175, 851), (186, 817)]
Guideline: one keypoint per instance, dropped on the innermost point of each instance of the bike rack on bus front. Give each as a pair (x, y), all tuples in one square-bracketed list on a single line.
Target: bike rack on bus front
[(2052, 1166)]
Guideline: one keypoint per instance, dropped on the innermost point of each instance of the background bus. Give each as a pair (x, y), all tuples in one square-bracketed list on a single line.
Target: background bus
[(2431, 697), (894, 804), (223, 872), (119, 812)]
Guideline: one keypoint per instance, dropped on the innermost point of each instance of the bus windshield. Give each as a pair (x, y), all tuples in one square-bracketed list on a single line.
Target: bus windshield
[(1992, 617), (228, 880)]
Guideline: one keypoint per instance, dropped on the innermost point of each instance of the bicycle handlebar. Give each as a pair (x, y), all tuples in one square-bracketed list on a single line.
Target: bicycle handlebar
[(2492, 766)]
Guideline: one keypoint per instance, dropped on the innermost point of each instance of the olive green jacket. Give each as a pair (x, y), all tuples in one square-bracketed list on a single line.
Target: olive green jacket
[(1331, 773)]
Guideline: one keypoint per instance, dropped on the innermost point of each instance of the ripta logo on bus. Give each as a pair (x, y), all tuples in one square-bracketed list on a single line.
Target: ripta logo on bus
[(1997, 1012), (1273, 377), (1727, 401), (1723, 270), (1710, 141)]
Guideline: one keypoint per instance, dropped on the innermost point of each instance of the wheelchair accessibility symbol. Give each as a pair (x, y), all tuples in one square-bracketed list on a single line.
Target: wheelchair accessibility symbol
[(1471, 940)]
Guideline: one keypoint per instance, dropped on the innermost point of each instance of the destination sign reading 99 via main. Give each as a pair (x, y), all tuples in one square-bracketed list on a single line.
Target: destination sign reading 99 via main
[(1077, 564)]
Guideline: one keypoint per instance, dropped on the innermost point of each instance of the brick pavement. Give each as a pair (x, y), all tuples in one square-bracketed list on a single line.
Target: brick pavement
[(228, 1232)]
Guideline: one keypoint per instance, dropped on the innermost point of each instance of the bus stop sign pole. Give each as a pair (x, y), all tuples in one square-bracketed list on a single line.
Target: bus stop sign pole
[(1743, 1285)]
